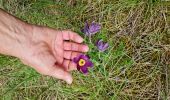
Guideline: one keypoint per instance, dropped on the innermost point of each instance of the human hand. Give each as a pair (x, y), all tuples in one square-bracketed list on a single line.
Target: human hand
[(50, 52), (46, 50)]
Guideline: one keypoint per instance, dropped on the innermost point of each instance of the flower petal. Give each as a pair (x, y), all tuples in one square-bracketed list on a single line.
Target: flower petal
[(84, 70), (81, 56), (94, 28), (102, 46), (85, 57), (76, 59), (86, 29), (99, 42), (89, 64), (105, 46)]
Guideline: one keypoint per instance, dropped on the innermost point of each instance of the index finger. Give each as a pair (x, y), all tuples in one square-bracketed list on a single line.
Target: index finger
[(69, 35)]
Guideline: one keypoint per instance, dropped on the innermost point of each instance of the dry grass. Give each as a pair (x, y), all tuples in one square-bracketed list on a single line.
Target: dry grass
[(136, 66)]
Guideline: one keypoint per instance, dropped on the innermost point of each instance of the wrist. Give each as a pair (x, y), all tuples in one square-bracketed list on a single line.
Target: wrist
[(22, 41), (16, 39), (12, 34)]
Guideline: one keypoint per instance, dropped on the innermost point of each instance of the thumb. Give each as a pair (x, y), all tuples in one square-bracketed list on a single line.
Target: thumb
[(62, 74)]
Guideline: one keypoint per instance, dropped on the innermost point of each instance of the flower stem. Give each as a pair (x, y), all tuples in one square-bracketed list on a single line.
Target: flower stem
[(99, 55)]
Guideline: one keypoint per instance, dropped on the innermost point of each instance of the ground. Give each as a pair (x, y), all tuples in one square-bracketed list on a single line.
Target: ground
[(136, 65)]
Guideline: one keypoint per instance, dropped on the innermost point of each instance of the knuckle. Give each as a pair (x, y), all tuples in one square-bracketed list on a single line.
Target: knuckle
[(75, 47)]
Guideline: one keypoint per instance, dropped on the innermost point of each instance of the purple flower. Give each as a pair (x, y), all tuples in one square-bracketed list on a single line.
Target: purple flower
[(102, 46), (91, 29), (83, 62)]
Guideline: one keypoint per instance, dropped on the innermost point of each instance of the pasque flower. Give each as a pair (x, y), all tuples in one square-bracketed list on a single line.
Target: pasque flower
[(83, 62), (90, 29), (102, 46)]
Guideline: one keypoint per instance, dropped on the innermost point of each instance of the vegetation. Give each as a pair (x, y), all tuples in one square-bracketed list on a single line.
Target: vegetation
[(136, 65)]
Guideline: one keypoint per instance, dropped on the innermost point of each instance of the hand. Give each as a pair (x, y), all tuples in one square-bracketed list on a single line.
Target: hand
[(50, 52), (45, 49)]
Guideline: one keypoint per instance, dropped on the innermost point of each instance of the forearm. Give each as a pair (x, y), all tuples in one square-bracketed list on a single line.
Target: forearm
[(12, 33)]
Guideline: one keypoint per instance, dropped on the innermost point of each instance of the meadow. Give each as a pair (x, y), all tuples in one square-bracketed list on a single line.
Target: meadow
[(135, 66)]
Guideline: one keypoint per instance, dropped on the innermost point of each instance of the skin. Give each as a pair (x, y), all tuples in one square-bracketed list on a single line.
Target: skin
[(47, 50)]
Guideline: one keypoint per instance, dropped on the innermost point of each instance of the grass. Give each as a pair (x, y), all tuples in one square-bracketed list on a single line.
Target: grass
[(136, 66)]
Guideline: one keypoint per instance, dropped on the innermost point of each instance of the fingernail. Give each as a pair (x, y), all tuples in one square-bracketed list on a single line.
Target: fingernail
[(86, 48), (80, 40), (69, 80)]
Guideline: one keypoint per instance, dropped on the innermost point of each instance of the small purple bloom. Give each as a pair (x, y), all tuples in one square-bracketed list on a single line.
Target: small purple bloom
[(83, 62), (91, 29), (102, 46)]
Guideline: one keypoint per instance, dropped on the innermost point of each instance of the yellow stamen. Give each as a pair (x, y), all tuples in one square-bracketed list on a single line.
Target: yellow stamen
[(82, 62)]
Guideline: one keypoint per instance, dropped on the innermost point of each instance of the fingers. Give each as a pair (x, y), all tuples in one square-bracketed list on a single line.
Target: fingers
[(59, 56), (69, 35), (69, 65), (58, 49), (70, 54), (75, 47), (59, 73), (72, 66)]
